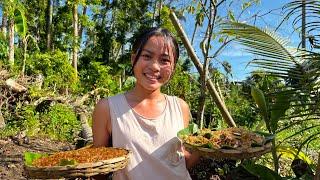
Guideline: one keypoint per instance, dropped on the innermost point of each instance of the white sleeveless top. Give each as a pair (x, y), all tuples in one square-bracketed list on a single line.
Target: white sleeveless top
[(157, 152)]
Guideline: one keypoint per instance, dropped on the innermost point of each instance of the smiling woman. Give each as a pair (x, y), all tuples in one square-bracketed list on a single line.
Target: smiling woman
[(145, 120)]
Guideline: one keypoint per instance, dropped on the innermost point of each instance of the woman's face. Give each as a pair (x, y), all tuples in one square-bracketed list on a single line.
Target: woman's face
[(155, 65)]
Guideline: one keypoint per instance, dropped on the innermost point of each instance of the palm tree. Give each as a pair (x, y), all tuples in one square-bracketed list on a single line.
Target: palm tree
[(298, 69)]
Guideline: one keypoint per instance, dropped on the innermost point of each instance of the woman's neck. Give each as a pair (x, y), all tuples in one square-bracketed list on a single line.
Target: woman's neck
[(143, 94)]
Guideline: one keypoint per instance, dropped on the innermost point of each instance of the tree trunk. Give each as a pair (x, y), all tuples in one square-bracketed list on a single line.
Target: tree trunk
[(11, 41), (200, 114), (212, 90), (75, 48), (2, 122), (84, 13), (303, 25), (49, 24), (25, 45), (4, 24), (86, 132)]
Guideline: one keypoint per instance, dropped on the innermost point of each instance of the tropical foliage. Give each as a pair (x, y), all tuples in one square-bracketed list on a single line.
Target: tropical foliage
[(69, 54)]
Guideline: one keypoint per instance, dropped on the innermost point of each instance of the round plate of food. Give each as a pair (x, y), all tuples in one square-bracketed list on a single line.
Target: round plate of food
[(229, 143), (84, 162)]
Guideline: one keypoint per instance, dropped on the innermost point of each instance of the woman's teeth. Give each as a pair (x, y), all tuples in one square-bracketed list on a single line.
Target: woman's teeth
[(152, 76)]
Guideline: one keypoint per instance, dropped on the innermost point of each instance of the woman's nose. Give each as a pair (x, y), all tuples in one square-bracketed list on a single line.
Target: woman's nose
[(155, 65)]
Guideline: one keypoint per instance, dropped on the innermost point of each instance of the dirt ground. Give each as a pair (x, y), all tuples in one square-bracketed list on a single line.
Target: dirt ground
[(12, 162), (11, 154)]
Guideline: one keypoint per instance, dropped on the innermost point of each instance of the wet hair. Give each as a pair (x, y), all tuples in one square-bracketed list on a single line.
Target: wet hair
[(143, 38)]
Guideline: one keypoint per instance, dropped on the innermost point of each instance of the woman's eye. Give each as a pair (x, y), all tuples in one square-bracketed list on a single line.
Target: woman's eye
[(146, 56), (165, 61)]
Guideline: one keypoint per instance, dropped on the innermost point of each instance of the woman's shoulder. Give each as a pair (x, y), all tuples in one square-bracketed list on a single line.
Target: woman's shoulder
[(183, 104), (104, 102)]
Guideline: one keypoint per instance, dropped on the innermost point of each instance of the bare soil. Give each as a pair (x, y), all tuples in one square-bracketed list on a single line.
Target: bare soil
[(11, 154), (12, 161)]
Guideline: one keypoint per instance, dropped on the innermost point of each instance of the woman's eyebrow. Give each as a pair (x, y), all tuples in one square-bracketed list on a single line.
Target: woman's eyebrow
[(166, 54), (147, 51)]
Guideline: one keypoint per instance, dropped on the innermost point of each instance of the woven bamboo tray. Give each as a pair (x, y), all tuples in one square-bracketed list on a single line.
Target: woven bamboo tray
[(78, 170), (233, 154)]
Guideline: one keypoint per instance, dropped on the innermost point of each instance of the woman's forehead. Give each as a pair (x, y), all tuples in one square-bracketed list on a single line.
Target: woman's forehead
[(156, 43)]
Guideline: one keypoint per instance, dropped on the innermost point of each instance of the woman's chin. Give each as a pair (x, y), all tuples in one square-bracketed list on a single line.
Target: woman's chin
[(152, 87)]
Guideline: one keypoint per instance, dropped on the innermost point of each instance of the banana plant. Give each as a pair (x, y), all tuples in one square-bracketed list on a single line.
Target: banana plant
[(271, 113), (20, 24)]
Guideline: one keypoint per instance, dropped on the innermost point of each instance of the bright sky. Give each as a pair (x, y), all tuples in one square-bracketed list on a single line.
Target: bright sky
[(234, 53)]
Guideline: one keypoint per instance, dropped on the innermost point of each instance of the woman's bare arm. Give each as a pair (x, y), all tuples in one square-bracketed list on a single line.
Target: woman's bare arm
[(101, 125), (191, 158)]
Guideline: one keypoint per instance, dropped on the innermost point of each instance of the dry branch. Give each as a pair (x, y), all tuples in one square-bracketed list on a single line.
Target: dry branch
[(16, 87)]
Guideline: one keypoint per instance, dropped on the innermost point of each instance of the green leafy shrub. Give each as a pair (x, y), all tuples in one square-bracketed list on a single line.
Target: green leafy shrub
[(60, 122), (31, 120), (4, 48), (96, 75), (56, 69)]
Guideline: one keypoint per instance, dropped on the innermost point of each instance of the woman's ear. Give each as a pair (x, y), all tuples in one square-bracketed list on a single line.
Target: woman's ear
[(133, 56)]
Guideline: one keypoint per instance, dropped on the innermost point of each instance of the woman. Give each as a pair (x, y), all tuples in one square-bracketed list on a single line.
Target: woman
[(145, 120)]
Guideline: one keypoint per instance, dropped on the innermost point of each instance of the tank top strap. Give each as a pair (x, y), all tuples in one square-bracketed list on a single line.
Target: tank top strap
[(175, 111), (118, 105)]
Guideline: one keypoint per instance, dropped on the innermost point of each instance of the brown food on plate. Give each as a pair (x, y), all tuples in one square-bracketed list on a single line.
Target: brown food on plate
[(85, 155), (229, 138)]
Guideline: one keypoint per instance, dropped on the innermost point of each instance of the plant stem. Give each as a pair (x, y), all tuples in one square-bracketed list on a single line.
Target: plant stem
[(274, 155), (317, 176)]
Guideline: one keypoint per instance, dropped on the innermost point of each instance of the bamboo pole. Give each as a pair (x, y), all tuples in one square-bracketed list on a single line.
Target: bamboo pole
[(213, 92)]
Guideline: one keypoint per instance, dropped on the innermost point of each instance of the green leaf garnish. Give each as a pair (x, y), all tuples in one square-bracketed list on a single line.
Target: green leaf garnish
[(29, 157), (65, 162), (267, 136), (191, 129), (207, 135)]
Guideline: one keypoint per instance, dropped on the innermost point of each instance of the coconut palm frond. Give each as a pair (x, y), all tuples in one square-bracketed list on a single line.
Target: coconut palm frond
[(293, 9), (312, 16), (274, 56)]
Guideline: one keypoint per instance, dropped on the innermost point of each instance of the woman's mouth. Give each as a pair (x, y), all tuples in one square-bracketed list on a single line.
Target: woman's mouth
[(152, 77)]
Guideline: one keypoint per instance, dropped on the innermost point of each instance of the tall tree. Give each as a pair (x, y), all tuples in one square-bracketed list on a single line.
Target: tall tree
[(75, 46), (4, 24), (49, 24), (11, 40), (15, 11), (208, 15)]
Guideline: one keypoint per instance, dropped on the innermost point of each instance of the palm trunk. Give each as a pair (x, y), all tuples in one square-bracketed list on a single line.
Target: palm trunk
[(11, 41), (303, 25), (49, 24), (4, 24), (75, 37), (84, 12)]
